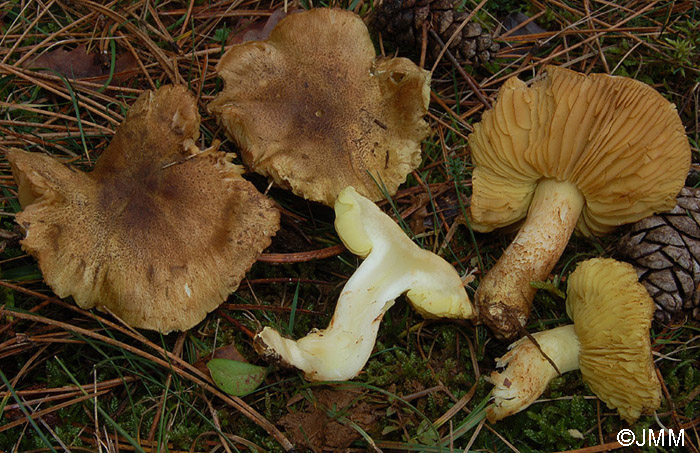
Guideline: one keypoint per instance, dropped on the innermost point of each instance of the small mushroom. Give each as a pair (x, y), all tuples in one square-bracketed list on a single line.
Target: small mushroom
[(571, 151), (159, 233), (313, 107), (609, 342), (393, 265)]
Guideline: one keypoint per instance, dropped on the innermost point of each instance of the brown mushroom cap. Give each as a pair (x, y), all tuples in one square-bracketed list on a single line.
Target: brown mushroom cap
[(159, 233), (313, 108), (616, 139), (612, 315)]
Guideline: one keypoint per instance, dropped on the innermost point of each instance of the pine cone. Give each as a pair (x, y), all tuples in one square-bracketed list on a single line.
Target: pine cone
[(665, 250), (401, 22)]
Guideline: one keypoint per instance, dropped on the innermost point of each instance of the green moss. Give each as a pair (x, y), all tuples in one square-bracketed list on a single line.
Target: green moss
[(556, 425)]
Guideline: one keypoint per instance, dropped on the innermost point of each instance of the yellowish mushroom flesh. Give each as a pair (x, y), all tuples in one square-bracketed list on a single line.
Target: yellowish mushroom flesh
[(394, 265), (527, 372)]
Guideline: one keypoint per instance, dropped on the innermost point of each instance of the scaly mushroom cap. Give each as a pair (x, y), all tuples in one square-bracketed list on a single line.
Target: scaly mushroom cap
[(159, 233), (612, 315), (313, 108), (616, 139)]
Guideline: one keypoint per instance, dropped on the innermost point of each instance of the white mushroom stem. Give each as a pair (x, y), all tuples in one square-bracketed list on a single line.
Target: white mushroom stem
[(504, 297), (340, 351), (394, 265), (528, 372)]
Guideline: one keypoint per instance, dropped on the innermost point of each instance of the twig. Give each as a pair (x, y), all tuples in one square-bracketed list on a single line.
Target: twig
[(301, 257), (187, 371), (470, 80), (597, 448), (161, 403)]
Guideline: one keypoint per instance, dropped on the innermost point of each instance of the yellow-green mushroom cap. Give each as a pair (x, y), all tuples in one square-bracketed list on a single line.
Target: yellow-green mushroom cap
[(609, 342), (616, 139), (571, 151), (612, 314)]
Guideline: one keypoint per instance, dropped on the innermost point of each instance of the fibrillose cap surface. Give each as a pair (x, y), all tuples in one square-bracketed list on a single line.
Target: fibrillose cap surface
[(158, 233), (612, 315), (313, 108), (619, 141)]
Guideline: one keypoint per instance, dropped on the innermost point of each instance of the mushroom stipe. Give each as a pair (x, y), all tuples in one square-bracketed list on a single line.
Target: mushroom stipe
[(571, 151), (609, 342), (393, 265)]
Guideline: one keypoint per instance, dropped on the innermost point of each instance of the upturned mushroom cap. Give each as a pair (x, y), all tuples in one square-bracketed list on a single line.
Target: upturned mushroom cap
[(612, 315), (571, 151), (160, 233), (609, 342), (393, 265), (314, 108), (616, 139)]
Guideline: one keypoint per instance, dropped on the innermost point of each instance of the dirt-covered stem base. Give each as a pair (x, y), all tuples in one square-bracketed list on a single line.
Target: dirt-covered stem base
[(528, 372), (504, 297)]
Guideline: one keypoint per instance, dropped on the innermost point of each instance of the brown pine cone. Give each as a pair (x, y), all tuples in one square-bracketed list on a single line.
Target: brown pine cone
[(665, 250), (401, 22)]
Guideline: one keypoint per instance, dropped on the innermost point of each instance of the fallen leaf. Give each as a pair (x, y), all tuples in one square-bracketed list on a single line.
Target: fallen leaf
[(316, 429), (79, 64), (234, 377), (517, 18), (259, 29), (230, 351)]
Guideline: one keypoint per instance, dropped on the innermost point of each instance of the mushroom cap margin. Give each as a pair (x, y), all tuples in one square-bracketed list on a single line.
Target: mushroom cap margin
[(314, 109)]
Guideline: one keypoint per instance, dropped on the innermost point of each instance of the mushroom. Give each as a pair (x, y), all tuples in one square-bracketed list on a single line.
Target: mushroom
[(571, 151), (393, 265), (609, 342), (313, 107), (159, 233)]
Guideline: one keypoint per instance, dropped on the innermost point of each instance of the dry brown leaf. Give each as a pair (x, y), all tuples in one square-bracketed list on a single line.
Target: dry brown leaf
[(78, 63), (315, 429), (260, 28), (225, 352)]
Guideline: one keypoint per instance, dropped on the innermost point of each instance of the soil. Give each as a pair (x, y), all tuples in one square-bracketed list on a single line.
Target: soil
[(323, 422)]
